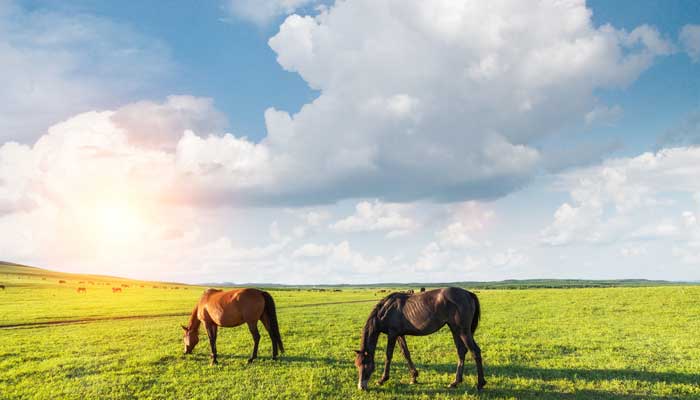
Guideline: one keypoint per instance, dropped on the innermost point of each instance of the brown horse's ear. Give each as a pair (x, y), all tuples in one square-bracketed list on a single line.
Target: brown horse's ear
[(184, 327)]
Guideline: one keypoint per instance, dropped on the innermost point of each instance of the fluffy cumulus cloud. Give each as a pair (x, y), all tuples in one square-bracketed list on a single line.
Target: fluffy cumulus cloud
[(377, 216), (458, 124), (161, 125), (55, 65), (631, 201), (437, 100), (337, 256), (690, 40)]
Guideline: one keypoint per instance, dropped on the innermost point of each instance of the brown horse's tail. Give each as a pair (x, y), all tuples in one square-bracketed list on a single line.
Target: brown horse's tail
[(271, 312), (477, 312)]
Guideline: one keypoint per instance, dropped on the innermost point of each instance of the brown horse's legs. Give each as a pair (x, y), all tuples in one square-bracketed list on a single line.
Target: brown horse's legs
[(266, 323), (407, 356), (211, 332), (253, 327), (476, 355), (461, 352), (390, 343)]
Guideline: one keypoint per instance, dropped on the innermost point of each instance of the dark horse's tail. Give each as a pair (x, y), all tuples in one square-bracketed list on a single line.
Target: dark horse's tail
[(271, 312), (477, 312)]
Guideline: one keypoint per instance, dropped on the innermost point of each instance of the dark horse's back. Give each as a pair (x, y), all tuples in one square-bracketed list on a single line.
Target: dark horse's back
[(426, 312)]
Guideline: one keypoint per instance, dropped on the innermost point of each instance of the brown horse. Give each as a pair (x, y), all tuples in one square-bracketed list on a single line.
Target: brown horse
[(232, 308), (81, 290), (420, 314)]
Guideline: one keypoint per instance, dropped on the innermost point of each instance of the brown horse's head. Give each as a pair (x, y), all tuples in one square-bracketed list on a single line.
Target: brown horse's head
[(190, 339), (365, 366)]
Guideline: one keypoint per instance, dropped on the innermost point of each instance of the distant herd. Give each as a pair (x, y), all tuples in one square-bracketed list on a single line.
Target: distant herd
[(117, 289)]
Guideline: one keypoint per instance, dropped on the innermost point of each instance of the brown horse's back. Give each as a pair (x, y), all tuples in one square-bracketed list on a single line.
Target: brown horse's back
[(232, 307)]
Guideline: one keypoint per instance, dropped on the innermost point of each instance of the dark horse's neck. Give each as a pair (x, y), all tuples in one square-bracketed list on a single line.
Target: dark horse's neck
[(370, 335), (194, 320)]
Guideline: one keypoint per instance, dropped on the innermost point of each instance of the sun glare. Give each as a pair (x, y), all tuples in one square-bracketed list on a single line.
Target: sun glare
[(118, 222)]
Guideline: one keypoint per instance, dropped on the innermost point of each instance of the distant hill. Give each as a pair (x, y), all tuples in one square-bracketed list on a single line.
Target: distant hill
[(10, 268), (505, 284), (19, 270)]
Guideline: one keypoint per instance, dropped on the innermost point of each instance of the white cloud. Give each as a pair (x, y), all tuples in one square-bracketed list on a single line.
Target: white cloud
[(262, 12), (377, 216), (338, 257), (632, 251), (55, 65), (486, 81), (456, 235), (459, 124), (690, 40), (614, 201), (508, 258), (602, 114), (161, 125)]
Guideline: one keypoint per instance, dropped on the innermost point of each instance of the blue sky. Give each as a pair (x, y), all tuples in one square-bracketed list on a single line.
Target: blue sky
[(301, 141)]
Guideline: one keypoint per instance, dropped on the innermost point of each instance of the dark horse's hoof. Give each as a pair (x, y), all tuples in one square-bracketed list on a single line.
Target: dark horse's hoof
[(250, 360), (480, 386), (453, 385), (381, 382)]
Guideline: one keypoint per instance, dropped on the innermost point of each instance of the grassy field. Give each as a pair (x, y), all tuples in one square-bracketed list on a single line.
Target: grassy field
[(628, 342)]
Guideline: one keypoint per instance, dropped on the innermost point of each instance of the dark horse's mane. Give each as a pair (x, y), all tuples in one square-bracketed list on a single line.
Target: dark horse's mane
[(377, 313)]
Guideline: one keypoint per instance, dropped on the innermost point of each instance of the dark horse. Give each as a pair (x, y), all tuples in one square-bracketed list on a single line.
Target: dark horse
[(401, 314), (232, 308)]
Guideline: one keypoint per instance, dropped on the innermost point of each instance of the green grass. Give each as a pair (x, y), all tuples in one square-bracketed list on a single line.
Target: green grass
[(633, 343)]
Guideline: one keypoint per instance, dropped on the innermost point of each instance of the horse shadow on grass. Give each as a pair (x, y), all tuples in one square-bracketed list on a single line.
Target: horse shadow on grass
[(516, 371), (243, 358)]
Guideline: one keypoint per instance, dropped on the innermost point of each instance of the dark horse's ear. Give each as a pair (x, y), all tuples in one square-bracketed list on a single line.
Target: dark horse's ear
[(184, 327), (358, 352)]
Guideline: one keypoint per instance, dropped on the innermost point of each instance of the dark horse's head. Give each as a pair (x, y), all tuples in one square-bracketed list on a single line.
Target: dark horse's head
[(364, 362), (190, 339)]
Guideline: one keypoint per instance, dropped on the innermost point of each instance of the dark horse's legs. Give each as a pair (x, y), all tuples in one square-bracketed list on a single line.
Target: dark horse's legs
[(468, 338), (407, 355), (390, 343), (253, 327), (266, 323), (461, 352), (211, 332)]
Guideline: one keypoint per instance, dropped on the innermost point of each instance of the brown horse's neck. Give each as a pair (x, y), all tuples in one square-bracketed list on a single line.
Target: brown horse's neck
[(370, 335), (194, 320)]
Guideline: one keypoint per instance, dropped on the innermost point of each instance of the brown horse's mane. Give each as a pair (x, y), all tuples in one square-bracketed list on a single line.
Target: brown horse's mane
[(194, 322)]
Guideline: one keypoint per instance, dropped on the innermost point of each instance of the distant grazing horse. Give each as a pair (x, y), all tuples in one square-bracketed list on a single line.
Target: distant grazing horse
[(232, 308), (400, 314), (81, 290), (116, 289), (2, 287), (61, 281)]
